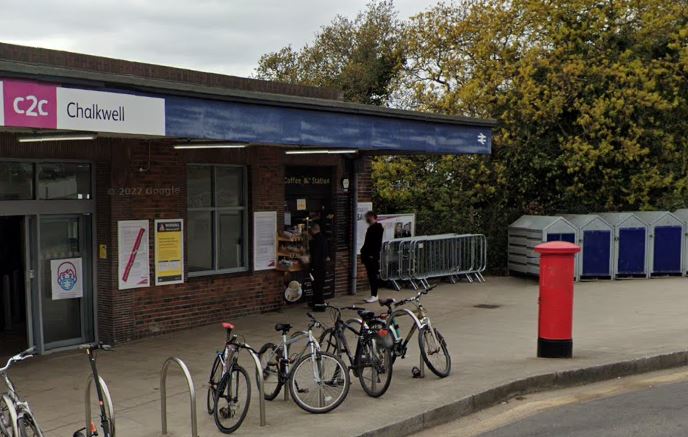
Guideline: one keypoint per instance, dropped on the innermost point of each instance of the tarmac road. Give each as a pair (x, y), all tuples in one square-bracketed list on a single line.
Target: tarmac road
[(649, 405)]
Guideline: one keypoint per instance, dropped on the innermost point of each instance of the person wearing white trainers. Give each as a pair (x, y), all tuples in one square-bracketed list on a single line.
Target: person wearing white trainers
[(370, 253)]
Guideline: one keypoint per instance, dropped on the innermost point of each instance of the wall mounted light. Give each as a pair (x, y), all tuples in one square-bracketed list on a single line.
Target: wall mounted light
[(56, 137), (211, 146), (317, 151)]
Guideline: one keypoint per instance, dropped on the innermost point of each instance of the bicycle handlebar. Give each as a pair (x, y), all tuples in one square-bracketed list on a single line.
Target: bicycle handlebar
[(29, 353), (96, 346)]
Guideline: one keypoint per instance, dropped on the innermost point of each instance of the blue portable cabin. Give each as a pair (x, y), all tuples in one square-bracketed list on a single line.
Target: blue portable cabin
[(630, 244), (682, 214), (596, 239), (529, 231), (666, 240)]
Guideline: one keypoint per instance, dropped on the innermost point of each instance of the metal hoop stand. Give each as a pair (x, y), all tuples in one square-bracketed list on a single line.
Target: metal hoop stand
[(107, 399), (163, 395), (259, 382)]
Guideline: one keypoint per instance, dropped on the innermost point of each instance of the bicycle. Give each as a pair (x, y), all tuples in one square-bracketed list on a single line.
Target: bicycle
[(229, 389), (16, 418), (318, 381), (372, 360), (107, 413), (433, 347)]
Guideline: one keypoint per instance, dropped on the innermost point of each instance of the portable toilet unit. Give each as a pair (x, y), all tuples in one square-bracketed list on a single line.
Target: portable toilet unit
[(630, 244), (596, 239), (529, 231), (666, 241), (683, 215)]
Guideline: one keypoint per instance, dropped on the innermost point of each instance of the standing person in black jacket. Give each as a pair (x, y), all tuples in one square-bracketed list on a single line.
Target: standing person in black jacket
[(319, 255), (370, 253)]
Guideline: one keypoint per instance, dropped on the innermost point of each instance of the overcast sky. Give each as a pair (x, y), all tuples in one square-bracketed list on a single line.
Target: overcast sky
[(224, 36)]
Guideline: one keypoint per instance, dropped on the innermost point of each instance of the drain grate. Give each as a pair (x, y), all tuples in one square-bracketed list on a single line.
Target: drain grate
[(486, 306)]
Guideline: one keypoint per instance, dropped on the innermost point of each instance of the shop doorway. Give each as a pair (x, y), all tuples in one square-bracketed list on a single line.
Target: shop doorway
[(309, 198), (13, 315)]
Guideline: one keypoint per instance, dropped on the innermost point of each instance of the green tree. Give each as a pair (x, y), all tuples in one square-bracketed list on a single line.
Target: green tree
[(360, 57)]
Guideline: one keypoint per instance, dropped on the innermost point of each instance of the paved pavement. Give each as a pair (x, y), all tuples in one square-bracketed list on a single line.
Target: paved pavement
[(614, 321)]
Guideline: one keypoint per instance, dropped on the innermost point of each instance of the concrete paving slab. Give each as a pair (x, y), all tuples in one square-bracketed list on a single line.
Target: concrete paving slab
[(613, 321)]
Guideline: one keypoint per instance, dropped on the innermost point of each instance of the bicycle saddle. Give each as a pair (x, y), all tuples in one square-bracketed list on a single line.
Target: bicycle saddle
[(284, 327), (366, 315), (227, 325), (387, 302)]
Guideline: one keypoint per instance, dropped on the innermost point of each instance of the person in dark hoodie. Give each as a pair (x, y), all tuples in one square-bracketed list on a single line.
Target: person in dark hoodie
[(370, 253), (319, 255)]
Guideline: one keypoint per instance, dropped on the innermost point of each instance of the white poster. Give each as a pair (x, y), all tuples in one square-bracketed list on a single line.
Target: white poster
[(264, 240), (397, 225), (361, 225), (133, 257), (2, 106), (66, 278)]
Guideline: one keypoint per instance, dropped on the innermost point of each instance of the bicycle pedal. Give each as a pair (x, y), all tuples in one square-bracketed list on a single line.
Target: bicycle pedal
[(415, 371)]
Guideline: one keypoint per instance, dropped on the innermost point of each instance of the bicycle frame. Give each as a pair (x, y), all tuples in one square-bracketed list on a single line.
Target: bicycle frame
[(104, 421), (287, 341), (17, 407)]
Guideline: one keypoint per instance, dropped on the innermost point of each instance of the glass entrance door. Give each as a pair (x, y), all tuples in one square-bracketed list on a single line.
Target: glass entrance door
[(65, 292)]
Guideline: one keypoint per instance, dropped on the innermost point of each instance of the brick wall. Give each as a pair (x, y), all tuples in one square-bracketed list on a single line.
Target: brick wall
[(131, 186)]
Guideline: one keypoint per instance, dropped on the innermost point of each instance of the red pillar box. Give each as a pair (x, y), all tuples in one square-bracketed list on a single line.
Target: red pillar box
[(555, 323)]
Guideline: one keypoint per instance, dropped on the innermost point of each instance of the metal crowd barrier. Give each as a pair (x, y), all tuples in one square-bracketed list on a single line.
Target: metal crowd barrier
[(417, 259)]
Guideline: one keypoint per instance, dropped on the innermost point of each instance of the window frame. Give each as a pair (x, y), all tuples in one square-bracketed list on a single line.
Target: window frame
[(216, 211)]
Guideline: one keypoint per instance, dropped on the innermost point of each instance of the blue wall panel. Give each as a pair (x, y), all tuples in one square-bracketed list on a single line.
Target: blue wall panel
[(667, 250), (631, 251), (596, 253), (262, 124)]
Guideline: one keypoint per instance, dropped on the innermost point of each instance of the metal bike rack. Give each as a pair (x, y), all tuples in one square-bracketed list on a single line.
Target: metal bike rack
[(107, 399), (163, 394), (259, 382)]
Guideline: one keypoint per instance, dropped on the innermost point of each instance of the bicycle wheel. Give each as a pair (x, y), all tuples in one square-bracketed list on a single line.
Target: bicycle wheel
[(319, 383), (213, 381), (28, 427), (233, 396), (270, 357), (7, 417), (374, 364), (434, 352), (109, 411), (328, 342)]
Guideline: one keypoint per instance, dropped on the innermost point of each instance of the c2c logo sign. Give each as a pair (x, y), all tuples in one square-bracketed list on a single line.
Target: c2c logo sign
[(30, 104), (34, 106)]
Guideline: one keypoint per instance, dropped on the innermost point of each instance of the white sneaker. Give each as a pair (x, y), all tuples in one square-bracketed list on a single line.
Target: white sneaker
[(371, 299)]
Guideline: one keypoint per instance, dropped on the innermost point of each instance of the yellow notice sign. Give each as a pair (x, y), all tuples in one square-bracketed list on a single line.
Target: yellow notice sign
[(169, 251)]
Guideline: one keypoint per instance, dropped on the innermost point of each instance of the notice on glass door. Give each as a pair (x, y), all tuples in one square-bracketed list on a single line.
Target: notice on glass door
[(67, 278), (169, 251), (133, 257), (264, 240)]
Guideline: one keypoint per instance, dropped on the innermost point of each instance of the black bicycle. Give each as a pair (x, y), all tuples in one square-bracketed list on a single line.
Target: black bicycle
[(107, 420), (371, 362)]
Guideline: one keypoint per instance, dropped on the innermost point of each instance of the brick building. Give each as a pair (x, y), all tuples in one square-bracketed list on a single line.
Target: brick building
[(91, 148)]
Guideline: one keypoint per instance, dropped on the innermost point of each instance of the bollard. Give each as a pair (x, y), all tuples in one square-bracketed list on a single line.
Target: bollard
[(555, 322)]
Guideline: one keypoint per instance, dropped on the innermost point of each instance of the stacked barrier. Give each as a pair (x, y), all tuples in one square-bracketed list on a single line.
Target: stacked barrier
[(418, 259)]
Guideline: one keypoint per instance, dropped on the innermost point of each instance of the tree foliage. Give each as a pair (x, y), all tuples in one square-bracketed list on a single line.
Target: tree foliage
[(590, 96), (360, 57)]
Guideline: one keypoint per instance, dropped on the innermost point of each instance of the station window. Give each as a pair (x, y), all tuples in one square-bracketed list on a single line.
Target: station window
[(64, 180), (216, 219), (16, 180)]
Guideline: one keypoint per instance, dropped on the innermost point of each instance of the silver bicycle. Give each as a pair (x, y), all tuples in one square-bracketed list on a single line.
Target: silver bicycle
[(16, 418), (318, 381)]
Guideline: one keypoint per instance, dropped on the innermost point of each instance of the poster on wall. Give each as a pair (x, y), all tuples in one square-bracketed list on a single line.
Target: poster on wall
[(264, 240), (66, 278), (361, 225), (133, 257), (169, 251), (397, 225)]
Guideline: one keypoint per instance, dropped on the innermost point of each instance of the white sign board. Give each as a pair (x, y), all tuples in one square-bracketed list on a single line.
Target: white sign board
[(397, 225), (2, 106), (133, 254), (264, 240), (109, 112), (67, 279), (361, 225)]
